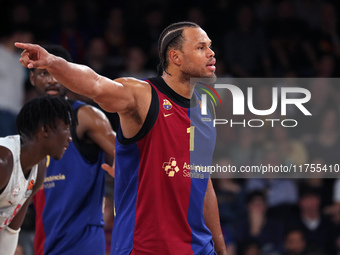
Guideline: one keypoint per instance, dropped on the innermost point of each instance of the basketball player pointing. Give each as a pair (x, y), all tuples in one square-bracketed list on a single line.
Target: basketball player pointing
[(160, 209)]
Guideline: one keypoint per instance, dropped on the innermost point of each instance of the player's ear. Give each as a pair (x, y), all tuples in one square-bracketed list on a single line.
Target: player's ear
[(174, 57), (45, 130)]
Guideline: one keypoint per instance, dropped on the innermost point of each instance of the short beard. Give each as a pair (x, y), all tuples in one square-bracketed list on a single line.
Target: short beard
[(210, 79), (185, 76)]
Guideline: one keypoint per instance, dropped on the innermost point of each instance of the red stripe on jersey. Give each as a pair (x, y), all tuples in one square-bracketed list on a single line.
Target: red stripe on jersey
[(40, 237)]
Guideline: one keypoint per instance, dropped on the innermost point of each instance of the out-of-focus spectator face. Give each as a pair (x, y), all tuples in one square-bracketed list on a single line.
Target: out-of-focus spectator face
[(245, 17), (115, 19), (20, 14), (155, 18), (136, 59), (328, 15), (280, 133), (286, 9), (68, 14), (257, 204), (252, 249), (97, 48), (22, 36), (309, 203), (197, 16), (325, 67), (330, 121), (322, 91), (295, 242)]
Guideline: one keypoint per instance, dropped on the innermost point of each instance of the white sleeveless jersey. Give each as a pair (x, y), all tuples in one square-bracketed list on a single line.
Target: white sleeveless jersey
[(18, 188)]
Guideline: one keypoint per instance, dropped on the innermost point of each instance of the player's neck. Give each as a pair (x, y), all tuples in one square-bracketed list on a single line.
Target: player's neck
[(29, 159), (180, 86)]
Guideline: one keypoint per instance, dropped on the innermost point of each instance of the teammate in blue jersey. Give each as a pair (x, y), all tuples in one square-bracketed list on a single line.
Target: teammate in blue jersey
[(43, 125), (69, 208), (185, 52)]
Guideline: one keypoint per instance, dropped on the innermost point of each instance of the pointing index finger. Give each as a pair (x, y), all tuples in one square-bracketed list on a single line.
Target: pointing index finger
[(23, 46), (27, 46)]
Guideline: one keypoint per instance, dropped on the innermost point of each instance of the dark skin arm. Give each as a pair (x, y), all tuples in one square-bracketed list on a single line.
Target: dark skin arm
[(19, 218), (94, 126), (129, 97), (6, 167), (212, 219)]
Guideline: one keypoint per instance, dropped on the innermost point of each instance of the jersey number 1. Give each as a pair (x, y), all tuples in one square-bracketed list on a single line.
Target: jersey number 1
[(191, 130)]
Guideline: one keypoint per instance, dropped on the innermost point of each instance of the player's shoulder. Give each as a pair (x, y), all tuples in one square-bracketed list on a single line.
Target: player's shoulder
[(6, 156), (90, 113), (6, 166), (133, 82)]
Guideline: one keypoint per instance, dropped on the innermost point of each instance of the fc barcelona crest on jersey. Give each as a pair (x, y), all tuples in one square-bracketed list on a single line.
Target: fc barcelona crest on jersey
[(166, 104)]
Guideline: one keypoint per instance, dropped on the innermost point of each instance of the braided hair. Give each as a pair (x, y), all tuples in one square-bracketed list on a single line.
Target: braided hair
[(171, 38), (42, 111)]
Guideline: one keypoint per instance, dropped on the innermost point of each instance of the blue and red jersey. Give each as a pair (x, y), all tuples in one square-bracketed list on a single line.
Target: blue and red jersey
[(159, 194)]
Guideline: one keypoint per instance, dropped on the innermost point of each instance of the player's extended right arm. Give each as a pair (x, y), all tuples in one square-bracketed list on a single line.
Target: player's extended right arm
[(113, 96)]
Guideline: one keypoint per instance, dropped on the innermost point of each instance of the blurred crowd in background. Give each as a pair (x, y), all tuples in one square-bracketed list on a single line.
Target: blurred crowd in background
[(257, 39)]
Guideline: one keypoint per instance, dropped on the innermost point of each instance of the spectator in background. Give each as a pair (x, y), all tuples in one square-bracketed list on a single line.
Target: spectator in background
[(294, 242), (324, 92), (309, 12), (135, 64), (152, 24), (257, 227), (69, 33), (334, 209), (245, 47), (98, 58), (326, 66), (264, 10), (318, 230), (292, 151), (244, 152), (12, 76), (320, 182), (326, 143), (230, 194), (115, 35), (289, 42), (326, 38), (281, 193)]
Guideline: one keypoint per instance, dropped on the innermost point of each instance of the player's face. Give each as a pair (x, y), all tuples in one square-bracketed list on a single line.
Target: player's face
[(197, 56), (46, 84), (58, 140)]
